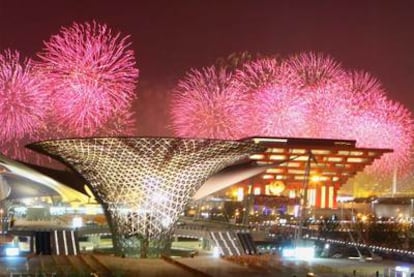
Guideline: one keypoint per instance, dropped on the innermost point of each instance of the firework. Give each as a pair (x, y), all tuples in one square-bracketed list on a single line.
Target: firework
[(378, 122), (273, 107), (92, 75), (319, 79), (308, 95), (123, 124), (257, 74), (23, 99), (314, 71), (205, 105), (279, 111)]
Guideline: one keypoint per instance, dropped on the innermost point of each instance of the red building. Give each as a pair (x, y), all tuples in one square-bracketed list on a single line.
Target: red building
[(311, 168)]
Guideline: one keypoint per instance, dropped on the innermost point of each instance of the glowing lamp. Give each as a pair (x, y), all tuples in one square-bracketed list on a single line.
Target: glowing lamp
[(300, 253), (402, 269), (304, 253), (216, 252), (288, 252), (12, 251), (315, 178), (77, 222)]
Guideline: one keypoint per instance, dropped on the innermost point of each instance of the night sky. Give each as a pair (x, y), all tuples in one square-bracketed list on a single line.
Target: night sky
[(170, 37)]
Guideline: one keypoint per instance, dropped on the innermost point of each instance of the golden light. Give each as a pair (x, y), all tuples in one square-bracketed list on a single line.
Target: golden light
[(315, 178), (275, 188), (257, 157)]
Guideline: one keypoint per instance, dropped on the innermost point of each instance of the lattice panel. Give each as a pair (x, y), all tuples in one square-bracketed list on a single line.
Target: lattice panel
[(146, 182)]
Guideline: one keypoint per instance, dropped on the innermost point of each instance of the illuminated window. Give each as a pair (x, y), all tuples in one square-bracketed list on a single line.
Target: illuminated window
[(296, 171), (321, 152), (335, 159), (276, 150), (323, 197), (257, 157), (293, 164), (356, 160), (311, 197), (277, 157), (275, 170), (298, 151), (240, 194), (330, 197)]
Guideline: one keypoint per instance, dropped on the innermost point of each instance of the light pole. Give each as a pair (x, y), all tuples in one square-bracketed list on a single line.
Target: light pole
[(304, 200)]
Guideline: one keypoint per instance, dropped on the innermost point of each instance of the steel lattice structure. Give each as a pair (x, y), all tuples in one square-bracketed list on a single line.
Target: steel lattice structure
[(145, 183)]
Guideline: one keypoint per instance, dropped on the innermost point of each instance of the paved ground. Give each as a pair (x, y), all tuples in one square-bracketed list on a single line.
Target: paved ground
[(84, 266), (288, 268), (218, 267), (202, 266), (342, 267), (345, 267)]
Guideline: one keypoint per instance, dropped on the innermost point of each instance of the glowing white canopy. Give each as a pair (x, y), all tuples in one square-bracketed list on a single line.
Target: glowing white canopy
[(30, 182), (229, 177)]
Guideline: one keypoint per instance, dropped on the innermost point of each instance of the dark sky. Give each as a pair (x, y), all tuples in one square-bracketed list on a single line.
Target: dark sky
[(170, 37)]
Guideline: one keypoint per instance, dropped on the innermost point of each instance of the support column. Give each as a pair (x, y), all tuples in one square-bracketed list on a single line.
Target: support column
[(318, 197), (32, 243), (323, 197)]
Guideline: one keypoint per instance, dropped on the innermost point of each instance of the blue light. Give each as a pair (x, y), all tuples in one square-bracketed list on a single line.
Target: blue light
[(402, 269)]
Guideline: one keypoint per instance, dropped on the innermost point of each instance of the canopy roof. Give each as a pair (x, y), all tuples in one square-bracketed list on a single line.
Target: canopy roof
[(24, 181), (331, 162)]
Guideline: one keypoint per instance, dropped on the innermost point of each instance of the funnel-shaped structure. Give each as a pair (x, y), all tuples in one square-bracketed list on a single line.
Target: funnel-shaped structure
[(145, 183)]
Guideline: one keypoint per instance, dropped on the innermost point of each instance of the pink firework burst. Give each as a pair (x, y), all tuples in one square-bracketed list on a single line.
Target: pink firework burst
[(307, 95), (205, 105), (23, 99), (388, 127), (375, 121), (274, 105), (247, 81), (92, 74), (279, 110), (123, 124), (320, 79), (257, 74), (314, 70)]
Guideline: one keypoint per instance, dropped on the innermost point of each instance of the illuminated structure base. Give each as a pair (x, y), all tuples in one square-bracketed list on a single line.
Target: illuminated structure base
[(144, 184)]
